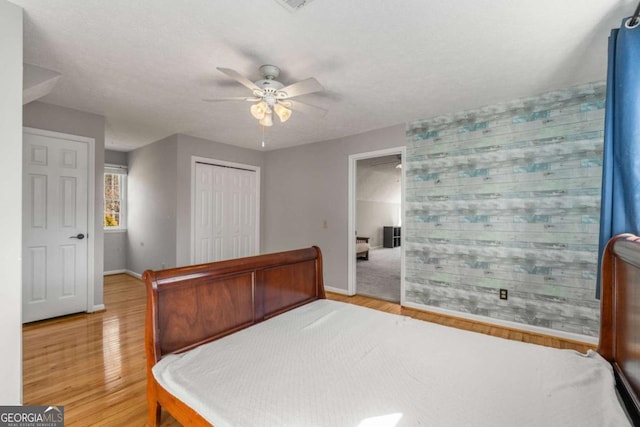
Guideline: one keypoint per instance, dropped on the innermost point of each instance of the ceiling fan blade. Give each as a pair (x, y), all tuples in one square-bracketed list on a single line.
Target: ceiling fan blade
[(309, 109), (240, 78), (302, 87), (235, 98)]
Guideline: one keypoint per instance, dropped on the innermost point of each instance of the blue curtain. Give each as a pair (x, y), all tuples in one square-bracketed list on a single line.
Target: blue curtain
[(620, 209)]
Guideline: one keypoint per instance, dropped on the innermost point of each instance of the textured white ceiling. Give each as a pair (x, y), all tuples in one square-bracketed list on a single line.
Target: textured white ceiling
[(145, 65)]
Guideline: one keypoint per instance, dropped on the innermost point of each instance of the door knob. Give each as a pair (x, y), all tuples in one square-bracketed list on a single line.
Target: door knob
[(79, 236)]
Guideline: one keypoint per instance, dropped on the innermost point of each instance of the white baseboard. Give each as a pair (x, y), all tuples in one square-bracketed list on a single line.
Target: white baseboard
[(97, 307), (337, 290), (506, 323), (134, 274), (111, 272)]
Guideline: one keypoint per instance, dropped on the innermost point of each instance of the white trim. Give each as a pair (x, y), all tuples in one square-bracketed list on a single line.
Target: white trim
[(336, 290), (506, 323), (91, 202), (91, 224), (134, 274), (351, 228), (215, 162), (124, 202), (112, 272), (116, 169), (97, 307)]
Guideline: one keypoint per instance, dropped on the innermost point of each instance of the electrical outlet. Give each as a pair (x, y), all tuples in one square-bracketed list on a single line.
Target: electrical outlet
[(504, 294)]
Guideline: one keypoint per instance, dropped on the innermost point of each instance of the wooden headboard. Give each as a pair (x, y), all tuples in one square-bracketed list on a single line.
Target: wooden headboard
[(620, 317), (192, 305)]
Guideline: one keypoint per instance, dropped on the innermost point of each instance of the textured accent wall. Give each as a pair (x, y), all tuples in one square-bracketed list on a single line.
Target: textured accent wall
[(508, 196)]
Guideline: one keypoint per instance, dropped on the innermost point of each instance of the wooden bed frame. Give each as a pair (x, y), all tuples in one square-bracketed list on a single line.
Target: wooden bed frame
[(189, 306), (193, 305), (364, 255), (619, 341)]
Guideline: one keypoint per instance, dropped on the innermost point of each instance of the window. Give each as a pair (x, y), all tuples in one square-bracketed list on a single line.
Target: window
[(115, 197)]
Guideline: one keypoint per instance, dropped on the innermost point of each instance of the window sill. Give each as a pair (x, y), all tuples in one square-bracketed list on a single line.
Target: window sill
[(115, 230)]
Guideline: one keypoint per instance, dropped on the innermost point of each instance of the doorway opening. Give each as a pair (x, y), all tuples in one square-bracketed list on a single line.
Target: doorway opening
[(376, 214)]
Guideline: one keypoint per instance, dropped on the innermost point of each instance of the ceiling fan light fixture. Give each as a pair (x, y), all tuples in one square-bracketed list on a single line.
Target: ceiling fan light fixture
[(259, 110), (283, 112), (267, 120), (268, 93)]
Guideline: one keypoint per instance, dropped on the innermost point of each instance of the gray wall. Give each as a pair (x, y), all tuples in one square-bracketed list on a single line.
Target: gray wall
[(115, 242), (151, 203), (307, 185), (159, 198), (115, 251), (112, 157), (66, 120), (11, 194), (371, 216)]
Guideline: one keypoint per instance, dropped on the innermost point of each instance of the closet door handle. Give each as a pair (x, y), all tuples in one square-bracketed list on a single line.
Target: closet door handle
[(78, 236)]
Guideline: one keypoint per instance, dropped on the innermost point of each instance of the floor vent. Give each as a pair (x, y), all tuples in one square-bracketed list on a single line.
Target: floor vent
[(293, 5)]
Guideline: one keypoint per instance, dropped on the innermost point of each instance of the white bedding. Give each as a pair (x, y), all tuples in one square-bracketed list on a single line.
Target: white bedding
[(335, 364), (362, 247)]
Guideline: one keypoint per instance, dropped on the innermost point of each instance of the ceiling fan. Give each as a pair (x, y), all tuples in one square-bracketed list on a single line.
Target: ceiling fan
[(271, 96)]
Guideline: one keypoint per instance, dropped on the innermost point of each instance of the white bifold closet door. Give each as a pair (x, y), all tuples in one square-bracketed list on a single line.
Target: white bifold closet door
[(225, 213)]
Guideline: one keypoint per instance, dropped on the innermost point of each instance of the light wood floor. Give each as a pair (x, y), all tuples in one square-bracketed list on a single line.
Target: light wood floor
[(94, 364)]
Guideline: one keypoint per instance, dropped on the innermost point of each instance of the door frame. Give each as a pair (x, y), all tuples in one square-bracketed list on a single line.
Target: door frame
[(91, 205), (216, 162), (351, 228)]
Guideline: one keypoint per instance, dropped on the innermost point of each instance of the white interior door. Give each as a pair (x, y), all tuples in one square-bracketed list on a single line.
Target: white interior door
[(225, 213), (241, 187), (209, 207), (55, 226)]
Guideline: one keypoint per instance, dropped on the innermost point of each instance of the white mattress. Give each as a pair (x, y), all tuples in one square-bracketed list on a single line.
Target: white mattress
[(335, 364)]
